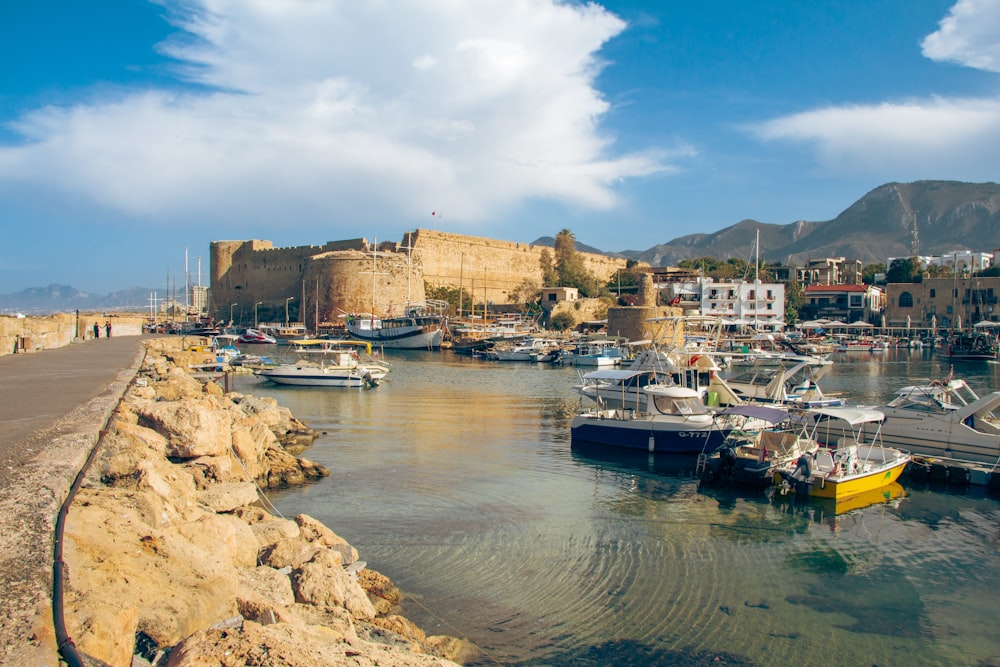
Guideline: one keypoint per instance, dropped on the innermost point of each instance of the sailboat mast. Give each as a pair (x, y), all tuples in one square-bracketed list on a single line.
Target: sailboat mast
[(756, 290)]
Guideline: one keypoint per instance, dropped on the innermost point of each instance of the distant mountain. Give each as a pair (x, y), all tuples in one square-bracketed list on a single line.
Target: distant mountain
[(550, 242), (63, 298), (893, 220)]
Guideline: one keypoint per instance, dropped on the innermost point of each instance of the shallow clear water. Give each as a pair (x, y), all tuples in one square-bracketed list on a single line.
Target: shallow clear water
[(456, 478)]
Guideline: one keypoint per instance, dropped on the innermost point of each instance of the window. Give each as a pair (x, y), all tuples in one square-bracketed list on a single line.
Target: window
[(932, 294), (905, 300)]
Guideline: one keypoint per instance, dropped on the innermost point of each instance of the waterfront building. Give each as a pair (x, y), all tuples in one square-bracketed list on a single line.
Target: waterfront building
[(843, 303)]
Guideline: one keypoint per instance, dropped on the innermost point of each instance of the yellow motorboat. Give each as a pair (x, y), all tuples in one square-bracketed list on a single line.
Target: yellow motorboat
[(849, 469)]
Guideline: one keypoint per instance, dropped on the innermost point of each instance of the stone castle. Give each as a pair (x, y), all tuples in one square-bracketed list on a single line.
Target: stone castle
[(354, 276)]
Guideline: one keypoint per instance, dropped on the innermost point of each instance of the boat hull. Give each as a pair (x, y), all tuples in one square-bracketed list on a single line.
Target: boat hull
[(406, 338), (647, 435), (849, 486)]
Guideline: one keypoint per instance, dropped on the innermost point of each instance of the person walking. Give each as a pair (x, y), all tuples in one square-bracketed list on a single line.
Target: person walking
[(107, 328), (97, 330)]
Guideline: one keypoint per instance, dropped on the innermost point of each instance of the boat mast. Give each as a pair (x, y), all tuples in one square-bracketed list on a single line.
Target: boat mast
[(756, 291)]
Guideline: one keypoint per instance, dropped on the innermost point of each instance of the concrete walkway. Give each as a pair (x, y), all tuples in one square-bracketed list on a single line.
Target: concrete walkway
[(53, 405)]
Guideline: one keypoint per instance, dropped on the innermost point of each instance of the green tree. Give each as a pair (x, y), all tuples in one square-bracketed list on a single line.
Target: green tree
[(562, 321), (527, 292), (549, 276), (570, 268), (989, 271), (868, 273), (904, 270), (794, 298)]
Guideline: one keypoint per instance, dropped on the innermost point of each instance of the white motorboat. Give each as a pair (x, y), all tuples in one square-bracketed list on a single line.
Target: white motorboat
[(340, 367), (790, 379), (944, 419), (527, 349)]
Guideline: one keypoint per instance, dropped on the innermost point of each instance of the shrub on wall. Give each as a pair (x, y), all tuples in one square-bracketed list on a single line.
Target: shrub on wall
[(562, 321)]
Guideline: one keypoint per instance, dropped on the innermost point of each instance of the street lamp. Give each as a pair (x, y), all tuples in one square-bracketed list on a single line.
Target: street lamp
[(231, 306), (255, 313), (287, 299)]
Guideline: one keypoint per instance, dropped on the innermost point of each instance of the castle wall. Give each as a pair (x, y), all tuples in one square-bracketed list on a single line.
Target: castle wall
[(247, 272), (489, 267)]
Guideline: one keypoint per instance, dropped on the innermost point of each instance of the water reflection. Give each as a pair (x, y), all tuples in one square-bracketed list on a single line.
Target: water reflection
[(458, 480)]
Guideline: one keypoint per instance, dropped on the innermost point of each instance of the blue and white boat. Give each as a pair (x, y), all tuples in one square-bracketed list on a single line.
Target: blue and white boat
[(599, 353), (675, 421)]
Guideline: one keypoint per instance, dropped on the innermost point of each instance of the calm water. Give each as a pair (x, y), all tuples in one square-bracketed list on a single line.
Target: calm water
[(457, 480)]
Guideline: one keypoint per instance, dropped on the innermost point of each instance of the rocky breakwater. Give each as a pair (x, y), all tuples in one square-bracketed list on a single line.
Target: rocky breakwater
[(174, 557)]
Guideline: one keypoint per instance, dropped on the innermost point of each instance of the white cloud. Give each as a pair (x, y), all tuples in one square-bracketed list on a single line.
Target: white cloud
[(936, 137), (969, 35), (338, 111)]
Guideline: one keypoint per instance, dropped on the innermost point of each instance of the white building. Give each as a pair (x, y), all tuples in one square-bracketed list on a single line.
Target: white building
[(966, 260), (753, 304)]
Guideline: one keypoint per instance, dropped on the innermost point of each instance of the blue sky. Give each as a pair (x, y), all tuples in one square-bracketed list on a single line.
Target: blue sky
[(131, 132)]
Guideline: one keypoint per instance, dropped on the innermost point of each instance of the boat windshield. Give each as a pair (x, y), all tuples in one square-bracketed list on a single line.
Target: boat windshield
[(669, 405)]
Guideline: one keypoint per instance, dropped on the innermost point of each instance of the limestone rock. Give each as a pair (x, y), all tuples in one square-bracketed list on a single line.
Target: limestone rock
[(225, 537), (176, 587), (192, 427), (177, 385), (274, 530), (314, 531), (292, 645), (381, 591), (103, 629), (263, 590), (323, 581), (229, 496)]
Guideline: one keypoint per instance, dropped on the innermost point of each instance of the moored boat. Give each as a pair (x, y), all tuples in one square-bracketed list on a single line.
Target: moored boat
[(675, 420), (256, 337), (848, 469), (750, 457), (341, 366), (421, 326)]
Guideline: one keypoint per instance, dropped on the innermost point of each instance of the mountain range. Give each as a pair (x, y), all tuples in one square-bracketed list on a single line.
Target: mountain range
[(893, 220)]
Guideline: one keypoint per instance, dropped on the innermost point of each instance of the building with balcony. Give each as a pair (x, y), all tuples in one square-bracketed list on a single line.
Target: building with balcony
[(844, 303), (830, 271)]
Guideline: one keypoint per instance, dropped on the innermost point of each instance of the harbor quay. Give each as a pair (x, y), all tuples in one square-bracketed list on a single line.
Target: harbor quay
[(138, 526)]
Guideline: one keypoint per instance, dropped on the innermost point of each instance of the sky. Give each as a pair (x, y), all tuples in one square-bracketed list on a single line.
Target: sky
[(133, 134)]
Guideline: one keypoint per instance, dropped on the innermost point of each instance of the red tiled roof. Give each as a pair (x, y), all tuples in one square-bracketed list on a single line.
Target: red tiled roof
[(836, 288)]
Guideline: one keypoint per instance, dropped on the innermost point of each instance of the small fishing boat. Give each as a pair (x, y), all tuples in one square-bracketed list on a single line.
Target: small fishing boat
[(851, 467), (750, 457)]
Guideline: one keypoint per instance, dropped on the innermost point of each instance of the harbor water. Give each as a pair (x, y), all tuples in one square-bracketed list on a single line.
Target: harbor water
[(457, 479)]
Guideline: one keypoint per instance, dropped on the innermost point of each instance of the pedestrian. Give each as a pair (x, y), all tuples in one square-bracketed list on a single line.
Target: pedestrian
[(97, 330), (107, 328)]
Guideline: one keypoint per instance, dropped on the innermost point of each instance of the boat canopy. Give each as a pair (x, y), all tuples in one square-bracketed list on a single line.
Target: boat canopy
[(330, 344), (613, 374), (852, 415)]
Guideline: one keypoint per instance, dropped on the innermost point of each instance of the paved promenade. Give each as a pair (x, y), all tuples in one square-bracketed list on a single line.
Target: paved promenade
[(53, 404)]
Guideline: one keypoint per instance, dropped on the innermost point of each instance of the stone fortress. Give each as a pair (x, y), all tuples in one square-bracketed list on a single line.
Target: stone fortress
[(355, 276)]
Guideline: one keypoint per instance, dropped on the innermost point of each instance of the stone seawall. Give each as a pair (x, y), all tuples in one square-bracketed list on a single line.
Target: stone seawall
[(175, 557), (31, 334)]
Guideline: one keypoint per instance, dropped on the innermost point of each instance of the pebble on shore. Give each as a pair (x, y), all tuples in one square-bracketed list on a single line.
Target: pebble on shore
[(174, 557)]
